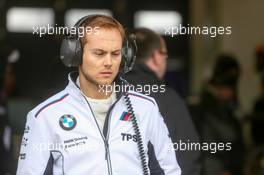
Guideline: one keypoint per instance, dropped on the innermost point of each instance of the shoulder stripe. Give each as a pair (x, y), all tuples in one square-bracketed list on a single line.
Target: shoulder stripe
[(51, 103), (142, 97)]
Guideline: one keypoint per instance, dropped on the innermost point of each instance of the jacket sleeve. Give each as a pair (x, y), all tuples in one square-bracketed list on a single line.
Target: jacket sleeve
[(162, 145), (34, 153)]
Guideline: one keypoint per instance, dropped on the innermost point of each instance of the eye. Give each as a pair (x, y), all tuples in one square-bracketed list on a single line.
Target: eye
[(99, 53), (117, 53)]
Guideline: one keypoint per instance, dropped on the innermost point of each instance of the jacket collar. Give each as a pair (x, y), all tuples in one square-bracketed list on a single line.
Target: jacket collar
[(146, 70), (142, 69), (73, 89)]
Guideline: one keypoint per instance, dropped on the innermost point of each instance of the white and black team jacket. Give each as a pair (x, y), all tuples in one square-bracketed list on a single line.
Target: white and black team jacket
[(62, 137)]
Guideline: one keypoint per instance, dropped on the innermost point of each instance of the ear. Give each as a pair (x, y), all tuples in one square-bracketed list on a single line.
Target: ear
[(155, 57)]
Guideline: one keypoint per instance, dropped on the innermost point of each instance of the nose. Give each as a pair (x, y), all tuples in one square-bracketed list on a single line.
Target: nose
[(108, 61)]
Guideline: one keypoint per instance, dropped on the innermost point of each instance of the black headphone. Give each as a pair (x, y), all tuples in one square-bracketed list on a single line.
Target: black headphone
[(71, 50)]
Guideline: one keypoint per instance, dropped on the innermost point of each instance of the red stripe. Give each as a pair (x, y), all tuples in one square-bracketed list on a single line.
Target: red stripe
[(126, 118), (51, 103)]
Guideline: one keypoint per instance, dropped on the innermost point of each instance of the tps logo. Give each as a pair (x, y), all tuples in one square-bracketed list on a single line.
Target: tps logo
[(129, 137), (67, 122)]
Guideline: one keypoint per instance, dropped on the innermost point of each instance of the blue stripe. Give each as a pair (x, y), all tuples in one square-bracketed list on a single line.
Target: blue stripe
[(123, 116), (49, 104)]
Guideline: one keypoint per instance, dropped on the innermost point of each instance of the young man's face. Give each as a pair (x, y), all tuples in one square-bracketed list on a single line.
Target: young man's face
[(101, 56)]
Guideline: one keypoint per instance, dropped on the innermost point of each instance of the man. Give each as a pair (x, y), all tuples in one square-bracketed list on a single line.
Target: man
[(83, 130), (257, 119), (217, 120), (150, 69)]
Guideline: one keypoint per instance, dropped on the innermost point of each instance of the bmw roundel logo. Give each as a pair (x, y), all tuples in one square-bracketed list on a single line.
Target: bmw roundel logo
[(67, 122)]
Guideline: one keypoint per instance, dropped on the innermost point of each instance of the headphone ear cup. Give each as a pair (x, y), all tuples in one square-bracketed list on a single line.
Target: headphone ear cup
[(129, 50), (71, 52)]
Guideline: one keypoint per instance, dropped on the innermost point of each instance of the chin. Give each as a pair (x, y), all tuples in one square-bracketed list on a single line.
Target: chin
[(105, 82)]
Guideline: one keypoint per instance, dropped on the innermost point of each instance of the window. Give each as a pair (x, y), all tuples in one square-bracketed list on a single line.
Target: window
[(157, 20), (73, 15), (23, 19)]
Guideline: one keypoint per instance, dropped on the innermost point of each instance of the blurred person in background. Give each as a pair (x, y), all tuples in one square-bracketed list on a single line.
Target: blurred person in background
[(257, 117), (216, 119), (149, 70), (8, 56), (255, 160)]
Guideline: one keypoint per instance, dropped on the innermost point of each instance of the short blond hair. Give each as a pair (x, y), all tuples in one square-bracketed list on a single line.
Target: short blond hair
[(102, 21)]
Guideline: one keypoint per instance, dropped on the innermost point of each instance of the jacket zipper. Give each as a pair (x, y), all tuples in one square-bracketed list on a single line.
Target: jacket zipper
[(107, 152), (108, 131)]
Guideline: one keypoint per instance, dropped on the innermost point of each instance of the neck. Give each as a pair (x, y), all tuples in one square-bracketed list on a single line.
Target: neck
[(151, 65), (92, 90)]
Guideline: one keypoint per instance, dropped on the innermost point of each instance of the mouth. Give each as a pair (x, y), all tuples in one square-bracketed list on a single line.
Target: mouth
[(106, 73)]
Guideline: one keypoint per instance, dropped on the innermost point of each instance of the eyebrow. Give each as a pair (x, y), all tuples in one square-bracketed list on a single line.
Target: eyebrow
[(118, 50), (98, 50), (101, 50)]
